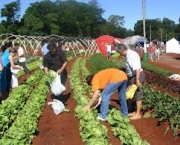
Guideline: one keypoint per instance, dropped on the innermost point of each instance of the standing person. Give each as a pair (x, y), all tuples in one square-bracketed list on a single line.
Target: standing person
[(107, 81), (14, 68), (151, 52), (108, 50), (156, 51), (56, 60), (6, 73), (135, 76), (21, 57)]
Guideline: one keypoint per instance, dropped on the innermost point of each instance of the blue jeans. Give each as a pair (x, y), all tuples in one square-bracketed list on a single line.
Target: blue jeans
[(106, 95), (3, 81)]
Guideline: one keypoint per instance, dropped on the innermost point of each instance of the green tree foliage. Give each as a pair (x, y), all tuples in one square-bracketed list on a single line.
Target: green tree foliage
[(11, 11), (157, 29), (177, 31), (78, 19)]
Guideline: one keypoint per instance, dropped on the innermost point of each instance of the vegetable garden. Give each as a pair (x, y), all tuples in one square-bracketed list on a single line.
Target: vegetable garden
[(26, 117)]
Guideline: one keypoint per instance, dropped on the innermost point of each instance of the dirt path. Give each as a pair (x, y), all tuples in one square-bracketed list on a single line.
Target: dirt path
[(63, 129), (60, 129)]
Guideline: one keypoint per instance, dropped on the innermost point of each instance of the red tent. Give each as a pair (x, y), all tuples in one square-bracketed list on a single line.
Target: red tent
[(103, 40)]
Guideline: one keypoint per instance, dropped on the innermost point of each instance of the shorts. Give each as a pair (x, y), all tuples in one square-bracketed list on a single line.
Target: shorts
[(139, 93)]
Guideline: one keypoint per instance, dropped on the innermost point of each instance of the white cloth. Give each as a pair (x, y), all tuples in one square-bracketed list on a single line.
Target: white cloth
[(21, 52)]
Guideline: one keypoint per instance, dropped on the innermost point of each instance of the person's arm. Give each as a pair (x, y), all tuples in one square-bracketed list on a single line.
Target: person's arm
[(92, 100), (46, 70), (138, 83), (62, 68), (1, 67), (13, 65), (64, 59)]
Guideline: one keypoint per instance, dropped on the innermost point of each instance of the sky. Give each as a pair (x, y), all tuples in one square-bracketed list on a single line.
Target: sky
[(130, 9)]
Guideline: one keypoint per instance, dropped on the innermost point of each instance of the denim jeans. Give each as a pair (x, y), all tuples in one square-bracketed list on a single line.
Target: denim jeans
[(106, 95)]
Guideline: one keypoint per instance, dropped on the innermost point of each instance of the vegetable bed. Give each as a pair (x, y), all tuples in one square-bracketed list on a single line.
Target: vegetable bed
[(64, 128)]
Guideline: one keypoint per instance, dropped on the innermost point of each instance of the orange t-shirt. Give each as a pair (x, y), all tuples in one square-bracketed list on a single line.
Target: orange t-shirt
[(111, 75)]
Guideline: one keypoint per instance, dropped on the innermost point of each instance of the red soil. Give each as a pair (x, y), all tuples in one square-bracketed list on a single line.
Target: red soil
[(63, 129)]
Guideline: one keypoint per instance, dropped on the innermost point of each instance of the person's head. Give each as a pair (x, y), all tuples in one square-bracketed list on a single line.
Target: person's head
[(52, 47), (8, 44), (122, 49), (13, 52), (16, 46), (89, 79)]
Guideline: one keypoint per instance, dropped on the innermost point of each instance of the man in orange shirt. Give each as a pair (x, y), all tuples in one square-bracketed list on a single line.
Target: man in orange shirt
[(107, 81)]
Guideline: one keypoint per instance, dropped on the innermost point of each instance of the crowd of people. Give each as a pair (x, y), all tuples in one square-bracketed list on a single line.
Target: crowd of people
[(154, 52), (105, 82), (13, 59)]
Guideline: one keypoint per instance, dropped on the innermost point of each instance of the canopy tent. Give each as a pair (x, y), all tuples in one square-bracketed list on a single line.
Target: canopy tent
[(172, 46), (134, 39), (102, 41)]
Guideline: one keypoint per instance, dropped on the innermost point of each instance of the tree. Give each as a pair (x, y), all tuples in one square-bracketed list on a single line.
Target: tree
[(116, 21), (11, 11)]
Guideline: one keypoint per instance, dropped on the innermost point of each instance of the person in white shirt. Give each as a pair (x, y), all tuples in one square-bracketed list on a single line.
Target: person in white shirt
[(108, 50), (21, 57), (135, 76)]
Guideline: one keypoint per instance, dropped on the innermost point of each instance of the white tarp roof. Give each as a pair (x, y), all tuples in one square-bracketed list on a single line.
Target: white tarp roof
[(172, 46), (134, 39)]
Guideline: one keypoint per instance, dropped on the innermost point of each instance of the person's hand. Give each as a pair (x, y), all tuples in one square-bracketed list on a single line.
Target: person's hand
[(86, 108), (98, 103), (59, 71), (138, 84), (22, 68)]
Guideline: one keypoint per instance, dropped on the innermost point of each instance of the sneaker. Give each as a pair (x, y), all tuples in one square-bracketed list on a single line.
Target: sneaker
[(102, 119)]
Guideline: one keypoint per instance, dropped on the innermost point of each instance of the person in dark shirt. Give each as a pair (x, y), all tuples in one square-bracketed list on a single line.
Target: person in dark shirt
[(56, 60)]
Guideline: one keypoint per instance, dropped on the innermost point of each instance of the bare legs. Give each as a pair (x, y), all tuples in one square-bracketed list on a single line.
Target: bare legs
[(137, 114)]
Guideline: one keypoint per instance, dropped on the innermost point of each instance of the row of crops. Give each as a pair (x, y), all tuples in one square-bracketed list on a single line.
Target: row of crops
[(20, 112), (92, 131), (163, 106)]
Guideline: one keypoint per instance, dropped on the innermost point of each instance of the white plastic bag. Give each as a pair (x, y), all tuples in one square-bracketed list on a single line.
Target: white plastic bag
[(56, 87), (14, 81), (14, 71), (57, 106)]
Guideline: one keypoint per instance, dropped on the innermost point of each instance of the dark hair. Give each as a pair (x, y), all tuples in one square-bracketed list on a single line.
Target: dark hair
[(121, 47), (8, 44), (16, 44), (13, 51), (51, 45), (3, 48), (89, 79)]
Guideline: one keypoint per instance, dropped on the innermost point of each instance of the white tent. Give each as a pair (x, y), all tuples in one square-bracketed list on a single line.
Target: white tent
[(172, 46), (134, 39)]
